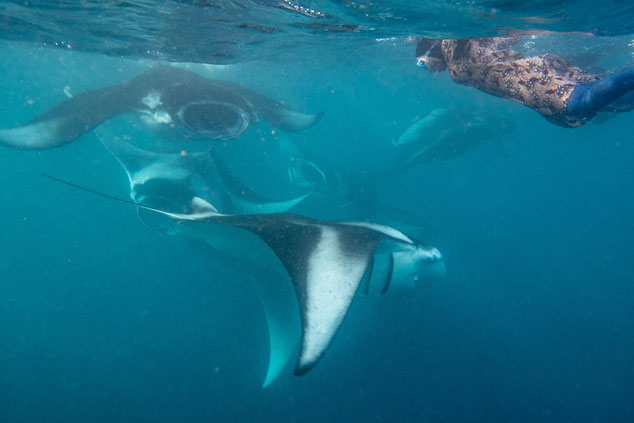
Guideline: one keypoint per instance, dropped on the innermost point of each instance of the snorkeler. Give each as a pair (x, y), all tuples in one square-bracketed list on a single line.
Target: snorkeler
[(564, 94)]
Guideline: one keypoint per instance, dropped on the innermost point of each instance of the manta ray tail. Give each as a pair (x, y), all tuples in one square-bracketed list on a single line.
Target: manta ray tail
[(101, 194)]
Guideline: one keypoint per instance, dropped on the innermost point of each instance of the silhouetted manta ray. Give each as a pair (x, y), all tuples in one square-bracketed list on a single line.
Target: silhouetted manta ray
[(327, 262), (168, 98)]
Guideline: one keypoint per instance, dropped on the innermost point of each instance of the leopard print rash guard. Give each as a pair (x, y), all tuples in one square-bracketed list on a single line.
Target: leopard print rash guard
[(543, 83)]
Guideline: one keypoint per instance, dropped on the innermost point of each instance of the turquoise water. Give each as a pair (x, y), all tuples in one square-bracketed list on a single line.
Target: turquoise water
[(104, 319)]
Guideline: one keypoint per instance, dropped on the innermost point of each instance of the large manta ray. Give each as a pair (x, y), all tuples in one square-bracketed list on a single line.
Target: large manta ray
[(327, 263), (172, 99)]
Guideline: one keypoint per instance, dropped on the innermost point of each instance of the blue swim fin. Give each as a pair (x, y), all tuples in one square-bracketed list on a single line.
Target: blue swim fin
[(588, 99)]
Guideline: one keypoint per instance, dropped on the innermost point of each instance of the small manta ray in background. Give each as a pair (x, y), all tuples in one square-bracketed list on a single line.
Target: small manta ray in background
[(328, 262), (174, 101), (441, 135), (446, 133)]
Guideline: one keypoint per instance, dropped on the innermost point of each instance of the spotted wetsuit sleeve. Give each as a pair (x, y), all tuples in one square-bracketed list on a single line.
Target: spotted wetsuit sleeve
[(543, 83)]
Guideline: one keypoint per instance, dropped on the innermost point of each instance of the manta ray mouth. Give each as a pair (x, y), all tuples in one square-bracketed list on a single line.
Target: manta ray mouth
[(215, 120)]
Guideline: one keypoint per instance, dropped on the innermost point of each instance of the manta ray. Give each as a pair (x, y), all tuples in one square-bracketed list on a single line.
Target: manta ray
[(170, 180), (440, 135), (446, 133), (175, 102), (327, 262)]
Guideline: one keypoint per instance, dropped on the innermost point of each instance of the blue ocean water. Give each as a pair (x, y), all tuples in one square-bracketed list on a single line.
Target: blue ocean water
[(105, 319)]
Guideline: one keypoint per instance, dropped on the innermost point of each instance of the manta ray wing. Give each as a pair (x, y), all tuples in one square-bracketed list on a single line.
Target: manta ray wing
[(143, 165), (327, 262), (69, 120), (243, 199), (326, 291), (279, 303), (276, 113), (277, 298)]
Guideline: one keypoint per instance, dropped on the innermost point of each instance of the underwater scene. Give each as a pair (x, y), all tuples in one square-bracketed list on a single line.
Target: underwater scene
[(316, 211)]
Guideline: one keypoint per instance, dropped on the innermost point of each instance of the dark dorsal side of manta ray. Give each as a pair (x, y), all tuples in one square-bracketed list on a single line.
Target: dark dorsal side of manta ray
[(327, 262), (168, 97)]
